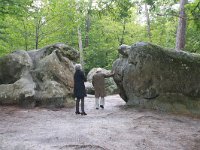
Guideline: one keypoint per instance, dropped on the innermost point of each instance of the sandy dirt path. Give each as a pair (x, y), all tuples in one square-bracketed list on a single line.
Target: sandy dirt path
[(114, 128)]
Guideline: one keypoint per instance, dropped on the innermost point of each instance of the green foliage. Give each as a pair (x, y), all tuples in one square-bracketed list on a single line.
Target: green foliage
[(193, 32), (112, 22), (10, 10), (60, 23), (103, 44), (193, 12), (14, 7), (123, 9), (55, 21)]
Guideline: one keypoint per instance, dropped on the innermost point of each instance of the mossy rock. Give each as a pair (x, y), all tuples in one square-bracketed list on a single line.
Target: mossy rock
[(159, 78)]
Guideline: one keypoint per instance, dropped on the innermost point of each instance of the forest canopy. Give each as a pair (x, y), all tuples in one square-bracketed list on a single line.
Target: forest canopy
[(97, 27)]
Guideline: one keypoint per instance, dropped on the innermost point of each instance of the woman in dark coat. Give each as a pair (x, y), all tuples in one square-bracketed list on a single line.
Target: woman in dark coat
[(79, 88)]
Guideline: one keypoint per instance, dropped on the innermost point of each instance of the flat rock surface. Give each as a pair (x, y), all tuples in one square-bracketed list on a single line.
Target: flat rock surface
[(114, 128)]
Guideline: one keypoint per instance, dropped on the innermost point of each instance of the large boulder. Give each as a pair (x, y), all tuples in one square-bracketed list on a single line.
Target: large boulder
[(110, 85), (153, 77), (38, 77)]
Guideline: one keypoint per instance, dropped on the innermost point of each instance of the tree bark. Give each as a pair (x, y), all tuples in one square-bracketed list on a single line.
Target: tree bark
[(181, 30), (80, 47), (148, 22), (25, 35), (37, 32), (88, 22), (36, 37), (123, 32)]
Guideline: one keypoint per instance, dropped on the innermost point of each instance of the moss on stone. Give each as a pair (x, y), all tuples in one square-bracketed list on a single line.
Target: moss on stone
[(160, 78)]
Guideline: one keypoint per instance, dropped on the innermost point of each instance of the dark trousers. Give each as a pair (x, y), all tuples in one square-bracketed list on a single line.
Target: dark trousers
[(82, 105)]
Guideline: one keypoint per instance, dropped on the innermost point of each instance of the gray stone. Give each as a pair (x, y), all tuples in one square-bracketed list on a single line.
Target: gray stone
[(38, 77), (89, 88), (154, 77)]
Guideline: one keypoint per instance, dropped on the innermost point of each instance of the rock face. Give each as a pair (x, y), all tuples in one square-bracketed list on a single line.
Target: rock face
[(38, 77), (111, 87), (150, 76)]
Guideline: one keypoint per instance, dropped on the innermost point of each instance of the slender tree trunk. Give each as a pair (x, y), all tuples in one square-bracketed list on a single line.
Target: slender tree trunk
[(123, 32), (80, 47), (148, 22), (88, 22), (37, 30), (25, 36), (181, 30)]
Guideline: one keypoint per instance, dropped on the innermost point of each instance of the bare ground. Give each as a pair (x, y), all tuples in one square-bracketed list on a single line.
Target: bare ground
[(114, 128)]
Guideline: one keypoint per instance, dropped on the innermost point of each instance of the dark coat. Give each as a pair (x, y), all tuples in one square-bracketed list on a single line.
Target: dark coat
[(79, 86)]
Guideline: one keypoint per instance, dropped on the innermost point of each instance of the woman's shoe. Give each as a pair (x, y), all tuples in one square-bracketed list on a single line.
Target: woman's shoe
[(77, 113), (83, 113), (102, 106)]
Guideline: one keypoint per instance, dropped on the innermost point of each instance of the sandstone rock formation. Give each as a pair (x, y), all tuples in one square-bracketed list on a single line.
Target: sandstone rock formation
[(111, 87), (41, 77), (89, 88), (153, 77)]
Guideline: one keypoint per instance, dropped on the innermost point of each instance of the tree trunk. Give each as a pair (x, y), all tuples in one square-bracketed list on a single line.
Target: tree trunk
[(80, 47), (123, 32), (88, 22), (181, 30), (25, 35), (148, 22), (37, 30)]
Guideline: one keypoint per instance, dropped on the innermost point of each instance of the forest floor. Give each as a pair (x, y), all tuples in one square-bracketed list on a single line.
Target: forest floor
[(116, 127)]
